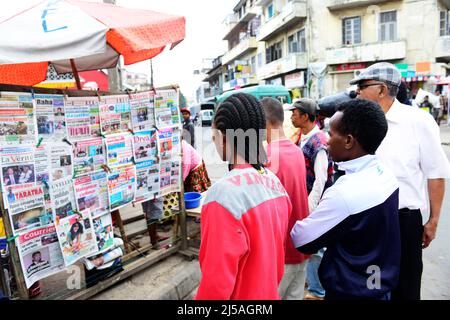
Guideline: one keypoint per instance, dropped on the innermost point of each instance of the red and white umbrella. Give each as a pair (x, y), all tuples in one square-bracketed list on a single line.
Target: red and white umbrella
[(79, 36)]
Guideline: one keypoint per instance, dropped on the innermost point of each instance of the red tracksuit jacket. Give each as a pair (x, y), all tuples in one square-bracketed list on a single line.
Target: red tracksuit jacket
[(244, 223)]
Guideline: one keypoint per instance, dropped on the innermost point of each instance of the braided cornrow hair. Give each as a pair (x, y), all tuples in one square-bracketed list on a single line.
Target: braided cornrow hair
[(242, 111)]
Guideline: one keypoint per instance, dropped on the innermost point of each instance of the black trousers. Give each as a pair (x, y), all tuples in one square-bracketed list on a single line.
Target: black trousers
[(411, 265)]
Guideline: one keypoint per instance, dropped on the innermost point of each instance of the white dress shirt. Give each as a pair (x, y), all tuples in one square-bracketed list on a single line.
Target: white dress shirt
[(412, 150), (320, 171)]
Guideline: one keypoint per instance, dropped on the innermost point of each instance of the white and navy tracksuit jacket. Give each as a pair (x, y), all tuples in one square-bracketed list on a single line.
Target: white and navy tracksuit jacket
[(357, 221)]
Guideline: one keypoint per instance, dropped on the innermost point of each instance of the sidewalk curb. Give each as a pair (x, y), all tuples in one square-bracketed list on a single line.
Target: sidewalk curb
[(182, 285)]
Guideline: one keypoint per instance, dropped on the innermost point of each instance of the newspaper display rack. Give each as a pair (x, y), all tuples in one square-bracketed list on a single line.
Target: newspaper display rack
[(69, 162)]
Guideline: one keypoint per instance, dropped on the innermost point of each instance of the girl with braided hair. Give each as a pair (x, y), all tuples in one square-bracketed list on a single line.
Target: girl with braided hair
[(244, 218)]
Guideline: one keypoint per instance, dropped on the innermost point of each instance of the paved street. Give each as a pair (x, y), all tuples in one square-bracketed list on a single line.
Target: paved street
[(436, 276)]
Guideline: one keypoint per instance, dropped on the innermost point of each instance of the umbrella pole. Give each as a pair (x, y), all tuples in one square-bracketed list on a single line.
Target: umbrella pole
[(75, 73)]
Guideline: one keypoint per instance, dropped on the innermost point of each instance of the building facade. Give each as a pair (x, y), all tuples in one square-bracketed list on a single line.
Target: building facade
[(315, 47)]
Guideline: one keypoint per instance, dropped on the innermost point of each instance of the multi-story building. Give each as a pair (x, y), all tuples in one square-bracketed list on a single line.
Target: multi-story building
[(278, 42), (135, 81), (214, 79), (353, 34), (283, 52), (239, 62)]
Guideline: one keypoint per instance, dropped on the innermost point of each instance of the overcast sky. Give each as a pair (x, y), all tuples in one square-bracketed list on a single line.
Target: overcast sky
[(204, 33)]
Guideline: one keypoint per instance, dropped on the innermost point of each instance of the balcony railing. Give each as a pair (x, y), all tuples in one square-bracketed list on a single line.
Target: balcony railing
[(293, 12), (246, 45), (367, 52), (443, 49), (345, 4), (240, 82), (291, 62), (233, 23)]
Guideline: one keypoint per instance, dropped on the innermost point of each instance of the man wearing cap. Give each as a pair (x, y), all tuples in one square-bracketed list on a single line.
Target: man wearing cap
[(412, 150), (188, 127), (319, 173)]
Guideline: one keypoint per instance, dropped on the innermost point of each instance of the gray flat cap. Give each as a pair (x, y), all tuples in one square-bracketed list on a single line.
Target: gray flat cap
[(305, 105), (382, 71)]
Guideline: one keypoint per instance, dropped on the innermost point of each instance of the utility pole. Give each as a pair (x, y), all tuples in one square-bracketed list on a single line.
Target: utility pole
[(114, 74)]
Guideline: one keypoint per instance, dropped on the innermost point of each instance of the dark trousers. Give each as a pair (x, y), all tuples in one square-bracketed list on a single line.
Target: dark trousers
[(411, 266)]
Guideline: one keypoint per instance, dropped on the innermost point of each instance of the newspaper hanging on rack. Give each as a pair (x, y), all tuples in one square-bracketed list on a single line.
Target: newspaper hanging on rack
[(119, 150), (82, 118), (147, 180), (27, 209), (40, 254), (17, 121), (169, 143), (61, 161), (76, 237), (104, 234), (17, 168), (62, 198), (170, 176), (91, 192), (121, 186), (88, 156), (145, 145), (167, 112), (142, 111), (115, 115), (42, 167), (50, 115)]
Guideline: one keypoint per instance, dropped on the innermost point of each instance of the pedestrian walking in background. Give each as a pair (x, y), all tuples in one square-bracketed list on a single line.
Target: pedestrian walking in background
[(412, 150), (426, 105), (245, 215), (319, 176), (286, 160), (188, 127), (438, 107), (357, 219)]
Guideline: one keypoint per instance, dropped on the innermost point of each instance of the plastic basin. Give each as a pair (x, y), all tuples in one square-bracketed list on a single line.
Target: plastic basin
[(192, 199)]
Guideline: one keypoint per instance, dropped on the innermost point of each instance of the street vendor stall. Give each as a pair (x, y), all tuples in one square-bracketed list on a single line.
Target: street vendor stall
[(63, 188)]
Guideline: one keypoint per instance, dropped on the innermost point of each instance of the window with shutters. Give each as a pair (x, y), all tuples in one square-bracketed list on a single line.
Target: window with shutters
[(444, 23), (274, 52), (351, 30), (388, 26), (297, 42)]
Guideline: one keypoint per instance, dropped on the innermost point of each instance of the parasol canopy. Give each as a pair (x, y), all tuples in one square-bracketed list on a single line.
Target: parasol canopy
[(80, 36)]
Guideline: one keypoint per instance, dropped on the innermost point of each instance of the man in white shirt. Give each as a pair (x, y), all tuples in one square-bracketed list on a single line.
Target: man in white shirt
[(319, 172), (412, 150)]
